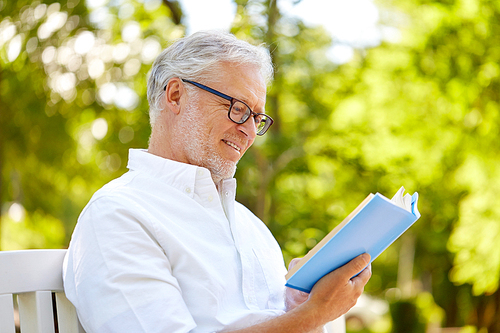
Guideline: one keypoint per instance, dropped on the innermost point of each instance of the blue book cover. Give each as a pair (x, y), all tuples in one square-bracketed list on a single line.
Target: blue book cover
[(374, 225)]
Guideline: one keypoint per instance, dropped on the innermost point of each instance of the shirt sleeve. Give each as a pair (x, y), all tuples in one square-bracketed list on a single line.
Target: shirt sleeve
[(117, 275)]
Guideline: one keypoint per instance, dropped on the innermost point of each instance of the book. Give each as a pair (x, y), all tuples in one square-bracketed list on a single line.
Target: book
[(372, 227)]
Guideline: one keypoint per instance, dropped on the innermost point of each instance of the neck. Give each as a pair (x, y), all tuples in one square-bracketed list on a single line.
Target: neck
[(160, 142), (159, 145)]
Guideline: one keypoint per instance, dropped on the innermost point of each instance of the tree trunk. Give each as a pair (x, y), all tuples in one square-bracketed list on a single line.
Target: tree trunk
[(405, 266), (175, 9), (265, 166), (3, 126), (494, 325)]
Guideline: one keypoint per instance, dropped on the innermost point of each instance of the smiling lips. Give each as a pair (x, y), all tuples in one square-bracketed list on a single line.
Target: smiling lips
[(229, 143)]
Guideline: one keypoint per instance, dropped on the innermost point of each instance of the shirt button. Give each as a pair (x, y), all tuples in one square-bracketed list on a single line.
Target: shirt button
[(200, 172), (226, 193), (210, 198), (188, 190)]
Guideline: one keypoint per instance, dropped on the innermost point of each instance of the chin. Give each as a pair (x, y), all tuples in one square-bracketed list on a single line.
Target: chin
[(229, 173), (225, 171)]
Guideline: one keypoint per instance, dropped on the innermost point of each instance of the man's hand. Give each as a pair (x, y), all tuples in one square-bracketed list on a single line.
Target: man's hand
[(294, 297), (335, 293), (332, 296)]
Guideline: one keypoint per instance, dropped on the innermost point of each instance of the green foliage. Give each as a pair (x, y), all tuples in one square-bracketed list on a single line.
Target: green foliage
[(422, 112), (72, 101), (406, 318)]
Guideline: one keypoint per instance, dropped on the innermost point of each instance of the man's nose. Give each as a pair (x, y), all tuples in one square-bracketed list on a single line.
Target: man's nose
[(249, 128)]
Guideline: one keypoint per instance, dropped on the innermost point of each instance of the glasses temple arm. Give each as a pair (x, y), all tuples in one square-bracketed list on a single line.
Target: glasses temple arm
[(213, 91)]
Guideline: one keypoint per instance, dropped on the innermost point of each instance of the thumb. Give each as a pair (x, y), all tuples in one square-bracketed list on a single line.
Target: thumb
[(355, 266)]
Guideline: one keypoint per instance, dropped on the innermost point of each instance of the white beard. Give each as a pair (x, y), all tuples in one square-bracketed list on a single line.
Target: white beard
[(191, 134)]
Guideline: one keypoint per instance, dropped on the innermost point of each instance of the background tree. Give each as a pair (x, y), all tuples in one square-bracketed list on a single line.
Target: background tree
[(72, 101), (421, 112)]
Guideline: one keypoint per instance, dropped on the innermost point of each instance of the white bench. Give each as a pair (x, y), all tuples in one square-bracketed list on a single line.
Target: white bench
[(35, 278)]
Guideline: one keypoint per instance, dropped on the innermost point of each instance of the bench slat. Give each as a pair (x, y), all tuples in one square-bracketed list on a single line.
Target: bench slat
[(66, 315), (35, 312), (7, 314)]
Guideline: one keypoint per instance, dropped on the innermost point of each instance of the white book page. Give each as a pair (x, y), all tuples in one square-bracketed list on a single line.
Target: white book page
[(403, 201)]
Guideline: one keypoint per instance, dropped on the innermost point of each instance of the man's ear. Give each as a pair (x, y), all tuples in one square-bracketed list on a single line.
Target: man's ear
[(173, 93)]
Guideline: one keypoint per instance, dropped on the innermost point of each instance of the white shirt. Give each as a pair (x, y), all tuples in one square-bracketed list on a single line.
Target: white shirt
[(161, 250)]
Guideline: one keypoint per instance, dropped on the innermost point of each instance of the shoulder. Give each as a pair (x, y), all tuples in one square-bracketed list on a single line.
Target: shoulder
[(117, 205), (129, 191)]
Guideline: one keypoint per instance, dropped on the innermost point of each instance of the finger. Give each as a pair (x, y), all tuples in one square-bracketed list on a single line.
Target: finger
[(297, 294), (294, 262), (363, 277), (355, 266), (294, 298)]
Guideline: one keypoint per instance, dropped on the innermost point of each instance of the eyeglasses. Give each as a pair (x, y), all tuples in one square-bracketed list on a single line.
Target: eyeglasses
[(239, 111)]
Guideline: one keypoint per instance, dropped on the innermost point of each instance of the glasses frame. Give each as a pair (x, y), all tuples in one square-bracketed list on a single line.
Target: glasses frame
[(233, 100)]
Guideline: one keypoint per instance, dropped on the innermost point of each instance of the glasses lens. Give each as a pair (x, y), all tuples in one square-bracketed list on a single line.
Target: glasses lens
[(262, 123), (239, 112)]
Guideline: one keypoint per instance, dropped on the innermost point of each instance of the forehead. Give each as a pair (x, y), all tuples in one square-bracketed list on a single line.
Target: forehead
[(243, 82)]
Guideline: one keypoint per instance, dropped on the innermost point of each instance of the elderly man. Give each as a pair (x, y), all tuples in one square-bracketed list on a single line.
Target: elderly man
[(165, 247)]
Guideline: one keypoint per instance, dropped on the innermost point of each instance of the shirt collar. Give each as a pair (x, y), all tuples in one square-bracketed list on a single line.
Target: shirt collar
[(187, 178)]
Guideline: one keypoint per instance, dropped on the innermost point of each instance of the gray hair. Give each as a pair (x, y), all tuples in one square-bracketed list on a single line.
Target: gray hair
[(197, 58)]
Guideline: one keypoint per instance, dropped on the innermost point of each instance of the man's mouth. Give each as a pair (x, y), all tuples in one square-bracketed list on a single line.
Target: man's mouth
[(232, 145)]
